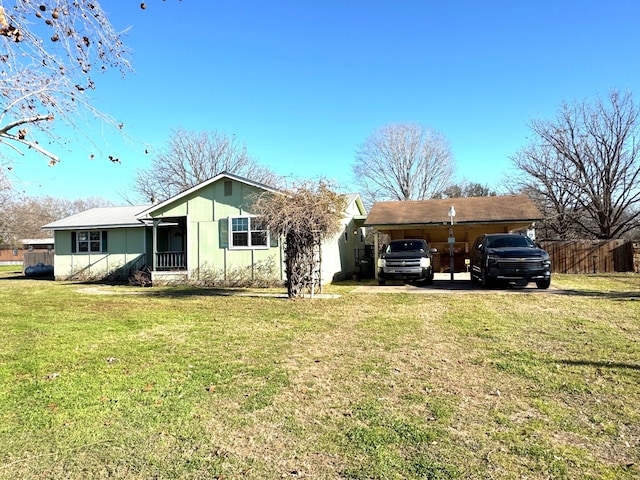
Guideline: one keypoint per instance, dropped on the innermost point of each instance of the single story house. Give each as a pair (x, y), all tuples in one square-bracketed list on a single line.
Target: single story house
[(431, 220), (207, 231)]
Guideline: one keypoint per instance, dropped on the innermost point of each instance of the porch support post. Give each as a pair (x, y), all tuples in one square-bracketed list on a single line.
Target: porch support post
[(376, 249), (155, 246)]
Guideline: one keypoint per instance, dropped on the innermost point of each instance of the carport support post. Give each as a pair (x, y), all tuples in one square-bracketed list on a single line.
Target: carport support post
[(452, 240), (154, 260), (376, 246)]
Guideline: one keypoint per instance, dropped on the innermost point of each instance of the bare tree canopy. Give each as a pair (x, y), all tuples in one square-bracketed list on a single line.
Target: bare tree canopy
[(303, 216), (5, 185), (190, 158), (583, 168), (23, 216), (50, 51), (403, 162), (466, 189)]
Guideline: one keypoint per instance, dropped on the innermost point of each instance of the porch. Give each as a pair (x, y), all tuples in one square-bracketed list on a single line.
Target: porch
[(169, 259)]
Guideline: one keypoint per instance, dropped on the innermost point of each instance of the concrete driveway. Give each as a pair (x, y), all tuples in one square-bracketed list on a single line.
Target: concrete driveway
[(442, 284)]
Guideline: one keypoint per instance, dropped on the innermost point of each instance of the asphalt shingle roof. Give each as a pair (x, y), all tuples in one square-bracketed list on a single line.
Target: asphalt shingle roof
[(100, 217), (507, 208)]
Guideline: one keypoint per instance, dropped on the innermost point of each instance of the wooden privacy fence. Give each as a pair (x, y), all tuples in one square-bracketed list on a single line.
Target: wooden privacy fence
[(37, 256), (586, 256)]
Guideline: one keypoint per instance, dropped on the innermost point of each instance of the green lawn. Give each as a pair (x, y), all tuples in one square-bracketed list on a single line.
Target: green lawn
[(182, 383)]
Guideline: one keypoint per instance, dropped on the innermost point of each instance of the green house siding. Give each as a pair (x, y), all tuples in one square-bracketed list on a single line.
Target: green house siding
[(207, 212), (125, 248), (188, 236), (210, 203)]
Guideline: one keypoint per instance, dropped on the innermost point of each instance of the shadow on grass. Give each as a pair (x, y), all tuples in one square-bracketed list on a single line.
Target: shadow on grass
[(181, 292), (177, 292), (467, 285), (614, 295), (596, 364), (530, 288), (20, 276)]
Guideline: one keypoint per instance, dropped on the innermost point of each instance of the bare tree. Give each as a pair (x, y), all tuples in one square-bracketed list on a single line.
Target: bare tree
[(585, 167), (5, 184), (552, 193), (466, 189), (403, 162), (303, 216), (6, 194), (49, 53), (190, 158), (24, 216)]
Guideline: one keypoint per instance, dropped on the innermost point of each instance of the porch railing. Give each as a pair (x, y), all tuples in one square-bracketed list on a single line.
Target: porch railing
[(171, 261)]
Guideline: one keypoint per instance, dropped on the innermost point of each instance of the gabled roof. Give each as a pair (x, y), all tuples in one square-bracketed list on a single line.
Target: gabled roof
[(100, 217), (503, 209), (134, 216), (355, 197), (199, 186)]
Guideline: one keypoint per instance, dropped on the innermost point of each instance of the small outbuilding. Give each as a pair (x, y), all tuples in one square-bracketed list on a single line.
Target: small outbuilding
[(452, 224)]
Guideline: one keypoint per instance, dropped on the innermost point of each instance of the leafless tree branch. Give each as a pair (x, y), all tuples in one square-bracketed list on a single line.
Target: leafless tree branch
[(304, 216), (403, 162), (585, 165), (190, 158), (49, 53)]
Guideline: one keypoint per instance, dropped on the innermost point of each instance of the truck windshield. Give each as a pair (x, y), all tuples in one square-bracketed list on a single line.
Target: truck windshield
[(396, 247), (510, 241)]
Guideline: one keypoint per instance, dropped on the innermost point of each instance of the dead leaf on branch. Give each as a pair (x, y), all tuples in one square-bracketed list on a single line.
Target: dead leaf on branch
[(3, 18)]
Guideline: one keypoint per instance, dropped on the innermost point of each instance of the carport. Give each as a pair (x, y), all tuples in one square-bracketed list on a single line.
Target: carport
[(431, 220)]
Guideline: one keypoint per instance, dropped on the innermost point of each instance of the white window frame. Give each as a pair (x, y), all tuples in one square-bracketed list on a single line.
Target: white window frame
[(250, 219), (90, 240)]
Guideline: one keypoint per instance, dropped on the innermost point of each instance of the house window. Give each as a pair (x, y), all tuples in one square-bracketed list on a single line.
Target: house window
[(248, 232), (228, 188), (89, 241)]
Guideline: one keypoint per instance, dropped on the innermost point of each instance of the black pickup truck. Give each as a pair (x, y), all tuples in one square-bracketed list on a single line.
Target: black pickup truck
[(510, 258), (409, 259)]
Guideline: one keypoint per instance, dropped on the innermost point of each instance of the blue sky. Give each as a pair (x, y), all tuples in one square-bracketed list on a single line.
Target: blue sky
[(304, 83)]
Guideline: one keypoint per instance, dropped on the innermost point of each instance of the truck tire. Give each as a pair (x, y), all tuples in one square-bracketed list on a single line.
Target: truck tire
[(485, 281), (544, 284)]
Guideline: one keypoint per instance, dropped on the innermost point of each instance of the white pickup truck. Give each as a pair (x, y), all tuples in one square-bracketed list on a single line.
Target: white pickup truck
[(409, 259)]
